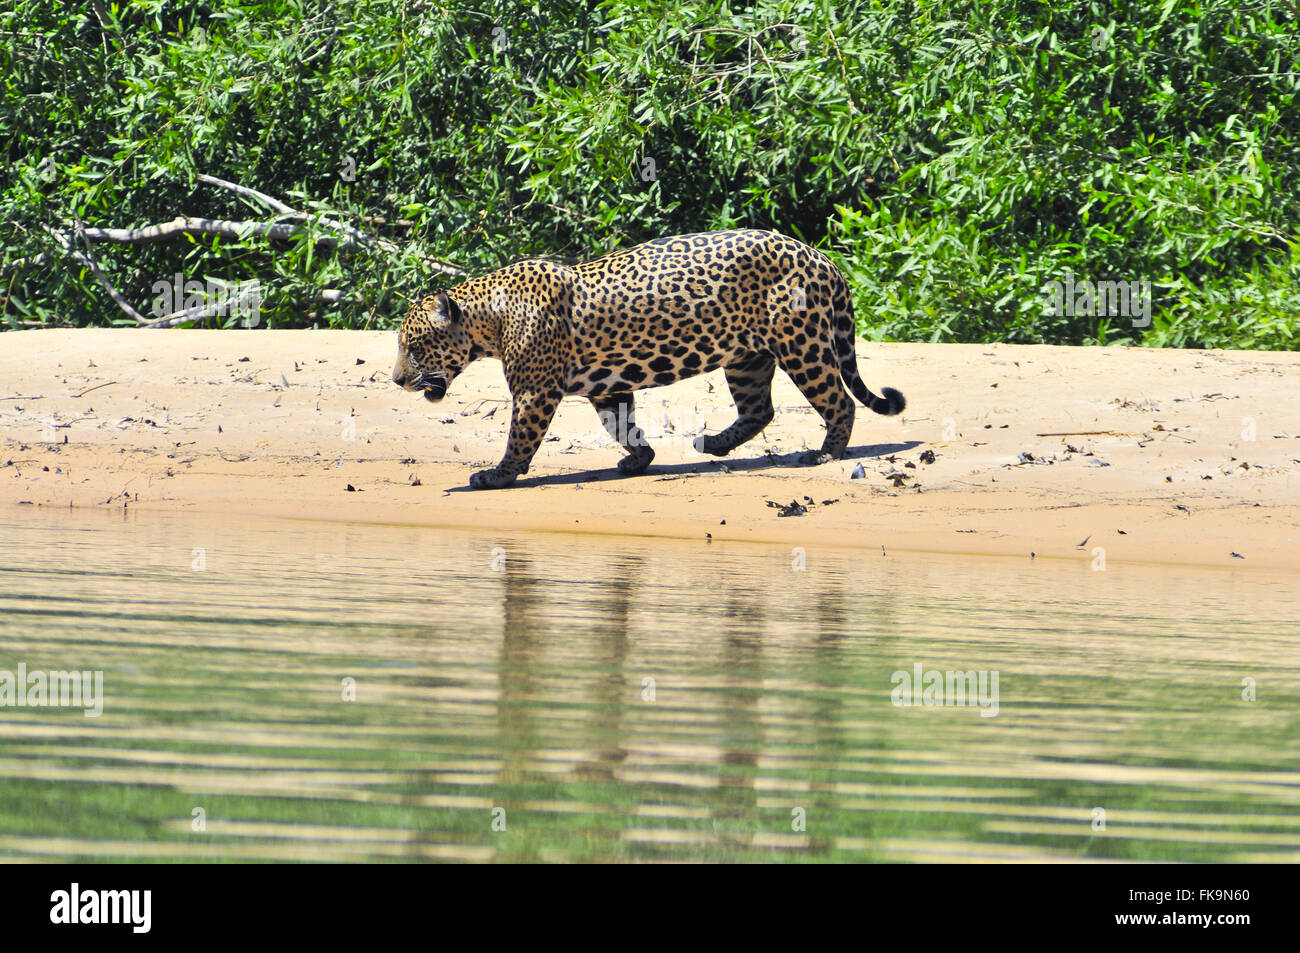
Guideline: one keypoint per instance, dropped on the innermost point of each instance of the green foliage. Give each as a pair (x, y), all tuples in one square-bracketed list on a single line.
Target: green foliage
[(952, 158)]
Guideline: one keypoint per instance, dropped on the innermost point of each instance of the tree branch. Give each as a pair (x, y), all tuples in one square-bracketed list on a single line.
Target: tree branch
[(210, 226), (355, 234), (245, 191), (182, 226), (89, 263), (201, 311)]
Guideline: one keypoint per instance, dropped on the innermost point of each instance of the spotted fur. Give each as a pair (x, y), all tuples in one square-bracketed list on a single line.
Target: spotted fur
[(742, 301)]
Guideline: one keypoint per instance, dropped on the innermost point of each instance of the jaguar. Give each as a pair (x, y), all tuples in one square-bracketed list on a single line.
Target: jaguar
[(743, 301)]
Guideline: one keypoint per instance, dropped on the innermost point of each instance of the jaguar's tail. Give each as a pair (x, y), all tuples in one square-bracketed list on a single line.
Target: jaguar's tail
[(891, 401)]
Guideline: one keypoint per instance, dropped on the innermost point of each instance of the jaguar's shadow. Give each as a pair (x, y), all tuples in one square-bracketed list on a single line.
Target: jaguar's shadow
[(672, 470)]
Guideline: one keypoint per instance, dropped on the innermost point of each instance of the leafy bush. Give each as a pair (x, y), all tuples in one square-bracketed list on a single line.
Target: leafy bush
[(952, 158)]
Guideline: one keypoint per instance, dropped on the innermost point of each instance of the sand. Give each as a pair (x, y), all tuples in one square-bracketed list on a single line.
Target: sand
[(1101, 455)]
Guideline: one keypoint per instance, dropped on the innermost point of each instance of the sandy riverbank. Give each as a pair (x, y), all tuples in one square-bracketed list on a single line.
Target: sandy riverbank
[(1152, 456)]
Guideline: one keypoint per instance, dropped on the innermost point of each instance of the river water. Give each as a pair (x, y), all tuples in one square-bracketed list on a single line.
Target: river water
[(320, 691)]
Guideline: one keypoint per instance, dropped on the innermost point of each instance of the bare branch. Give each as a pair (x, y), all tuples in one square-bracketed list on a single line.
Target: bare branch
[(210, 226), (183, 226), (196, 313), (357, 236), (89, 263), (298, 216), (19, 264), (440, 266), (217, 308), (248, 193)]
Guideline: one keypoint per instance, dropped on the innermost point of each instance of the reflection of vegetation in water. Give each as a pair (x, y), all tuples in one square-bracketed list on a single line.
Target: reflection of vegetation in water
[(629, 699)]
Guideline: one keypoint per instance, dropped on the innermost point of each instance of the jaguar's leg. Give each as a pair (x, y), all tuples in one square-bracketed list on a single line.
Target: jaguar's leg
[(819, 381), (750, 380), (617, 413), (529, 418)]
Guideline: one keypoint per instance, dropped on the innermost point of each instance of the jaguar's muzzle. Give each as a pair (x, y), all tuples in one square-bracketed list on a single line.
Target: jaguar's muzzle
[(433, 385)]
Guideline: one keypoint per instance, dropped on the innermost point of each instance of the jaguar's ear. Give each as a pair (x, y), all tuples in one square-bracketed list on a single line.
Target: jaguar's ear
[(448, 309)]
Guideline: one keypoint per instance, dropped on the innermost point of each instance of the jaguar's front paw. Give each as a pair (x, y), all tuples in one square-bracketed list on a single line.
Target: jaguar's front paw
[(494, 479), (714, 444)]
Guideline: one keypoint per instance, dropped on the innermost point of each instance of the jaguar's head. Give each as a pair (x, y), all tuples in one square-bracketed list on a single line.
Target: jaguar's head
[(433, 346)]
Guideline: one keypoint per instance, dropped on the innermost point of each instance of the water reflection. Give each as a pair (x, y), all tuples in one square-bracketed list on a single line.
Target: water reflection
[(567, 698)]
